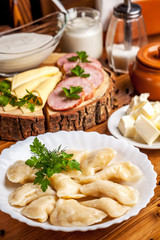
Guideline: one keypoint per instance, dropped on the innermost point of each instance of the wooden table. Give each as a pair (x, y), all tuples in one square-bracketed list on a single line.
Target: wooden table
[(145, 226)]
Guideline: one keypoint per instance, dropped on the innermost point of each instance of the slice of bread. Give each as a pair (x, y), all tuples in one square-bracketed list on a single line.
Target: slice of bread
[(15, 125), (87, 114)]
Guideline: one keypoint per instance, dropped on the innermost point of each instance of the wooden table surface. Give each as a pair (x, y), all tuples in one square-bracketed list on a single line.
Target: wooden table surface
[(144, 226)]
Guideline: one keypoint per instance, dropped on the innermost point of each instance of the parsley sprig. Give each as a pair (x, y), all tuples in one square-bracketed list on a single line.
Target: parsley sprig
[(5, 85), (79, 72), (72, 92), (31, 100), (7, 97), (48, 163), (4, 92), (81, 57)]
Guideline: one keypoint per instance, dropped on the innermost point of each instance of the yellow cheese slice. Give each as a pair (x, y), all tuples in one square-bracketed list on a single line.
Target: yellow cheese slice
[(43, 90), (9, 79), (9, 107), (30, 75), (31, 85)]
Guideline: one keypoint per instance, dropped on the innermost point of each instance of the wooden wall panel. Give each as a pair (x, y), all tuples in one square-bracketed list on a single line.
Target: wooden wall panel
[(48, 6), (20, 11)]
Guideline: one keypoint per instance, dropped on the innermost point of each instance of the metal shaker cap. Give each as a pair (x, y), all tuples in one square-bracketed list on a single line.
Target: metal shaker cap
[(125, 12)]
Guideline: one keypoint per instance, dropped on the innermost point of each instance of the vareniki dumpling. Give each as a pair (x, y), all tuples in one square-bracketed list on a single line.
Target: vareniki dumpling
[(107, 205), (70, 213), (94, 194), (125, 171), (78, 156), (103, 188), (19, 172), (65, 186), (40, 208), (27, 193), (97, 160)]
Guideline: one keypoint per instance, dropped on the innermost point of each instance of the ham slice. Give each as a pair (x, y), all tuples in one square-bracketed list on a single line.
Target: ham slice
[(62, 60), (64, 63), (58, 101), (96, 77), (69, 65)]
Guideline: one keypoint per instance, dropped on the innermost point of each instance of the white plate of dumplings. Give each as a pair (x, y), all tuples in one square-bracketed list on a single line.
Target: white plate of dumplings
[(89, 141)]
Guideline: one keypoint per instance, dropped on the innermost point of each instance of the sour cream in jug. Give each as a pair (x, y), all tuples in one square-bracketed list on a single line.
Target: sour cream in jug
[(83, 32)]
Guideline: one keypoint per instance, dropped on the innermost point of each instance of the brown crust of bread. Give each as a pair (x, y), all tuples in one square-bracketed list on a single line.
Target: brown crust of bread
[(17, 127)]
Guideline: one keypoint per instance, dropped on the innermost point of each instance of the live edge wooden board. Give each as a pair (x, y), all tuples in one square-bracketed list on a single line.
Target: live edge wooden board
[(14, 125)]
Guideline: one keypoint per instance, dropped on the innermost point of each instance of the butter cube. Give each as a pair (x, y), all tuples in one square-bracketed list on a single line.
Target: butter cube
[(143, 97), (156, 120), (156, 106), (139, 139), (146, 110), (126, 126), (146, 129), (137, 102)]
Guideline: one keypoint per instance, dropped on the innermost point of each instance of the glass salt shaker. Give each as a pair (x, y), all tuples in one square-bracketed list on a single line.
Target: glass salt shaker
[(126, 34), (83, 32)]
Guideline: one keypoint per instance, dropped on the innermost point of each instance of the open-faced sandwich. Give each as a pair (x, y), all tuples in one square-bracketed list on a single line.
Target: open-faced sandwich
[(74, 94)]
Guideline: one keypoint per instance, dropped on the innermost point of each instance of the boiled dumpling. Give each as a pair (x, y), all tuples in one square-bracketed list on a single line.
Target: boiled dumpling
[(107, 205), (65, 186), (125, 171), (74, 174), (27, 193), (40, 208), (97, 160), (78, 156), (103, 188), (70, 213), (19, 172)]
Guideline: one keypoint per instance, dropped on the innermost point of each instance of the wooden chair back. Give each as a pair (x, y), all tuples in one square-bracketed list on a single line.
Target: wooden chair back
[(20, 11)]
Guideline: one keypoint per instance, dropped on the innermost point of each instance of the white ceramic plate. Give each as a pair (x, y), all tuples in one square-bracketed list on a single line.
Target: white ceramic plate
[(78, 140), (113, 128)]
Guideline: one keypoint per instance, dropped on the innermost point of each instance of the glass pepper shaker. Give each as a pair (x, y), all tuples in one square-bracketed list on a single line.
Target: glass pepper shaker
[(125, 35)]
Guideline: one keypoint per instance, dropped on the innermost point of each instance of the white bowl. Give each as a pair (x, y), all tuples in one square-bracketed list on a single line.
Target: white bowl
[(78, 140), (26, 47)]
